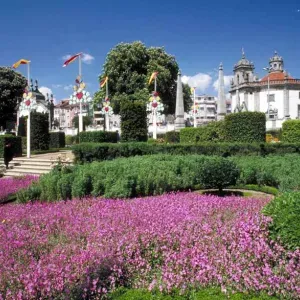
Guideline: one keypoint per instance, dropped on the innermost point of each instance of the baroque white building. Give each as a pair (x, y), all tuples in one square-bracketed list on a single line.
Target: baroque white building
[(277, 94)]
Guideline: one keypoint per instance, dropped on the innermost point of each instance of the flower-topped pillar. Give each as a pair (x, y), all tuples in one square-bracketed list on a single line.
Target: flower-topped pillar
[(28, 104), (195, 112), (106, 107), (107, 111), (155, 107), (81, 96)]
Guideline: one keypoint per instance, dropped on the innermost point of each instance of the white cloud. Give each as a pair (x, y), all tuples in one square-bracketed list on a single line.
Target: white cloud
[(227, 79), (201, 81), (56, 86), (45, 90), (68, 87), (85, 57)]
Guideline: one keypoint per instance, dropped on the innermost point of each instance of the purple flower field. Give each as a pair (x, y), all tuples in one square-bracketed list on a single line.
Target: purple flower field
[(86, 247), (10, 186)]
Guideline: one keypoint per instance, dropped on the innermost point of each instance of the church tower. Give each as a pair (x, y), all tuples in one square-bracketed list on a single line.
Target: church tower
[(276, 63), (243, 71)]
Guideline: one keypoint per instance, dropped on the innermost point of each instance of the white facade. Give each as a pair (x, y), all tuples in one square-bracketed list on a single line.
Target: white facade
[(248, 93)]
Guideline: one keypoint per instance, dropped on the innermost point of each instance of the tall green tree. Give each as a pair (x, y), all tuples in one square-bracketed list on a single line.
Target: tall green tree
[(12, 85), (129, 67)]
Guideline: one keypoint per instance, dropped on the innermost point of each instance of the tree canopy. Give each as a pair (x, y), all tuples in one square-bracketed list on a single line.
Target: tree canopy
[(129, 67), (12, 85)]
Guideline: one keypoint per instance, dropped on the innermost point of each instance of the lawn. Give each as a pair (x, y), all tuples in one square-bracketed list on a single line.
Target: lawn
[(184, 241)]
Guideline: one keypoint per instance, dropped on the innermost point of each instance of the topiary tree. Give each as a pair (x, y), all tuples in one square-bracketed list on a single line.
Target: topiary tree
[(133, 121), (245, 127), (39, 138), (219, 172)]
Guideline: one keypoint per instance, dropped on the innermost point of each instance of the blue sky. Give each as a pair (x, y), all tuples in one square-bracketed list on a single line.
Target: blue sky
[(200, 34)]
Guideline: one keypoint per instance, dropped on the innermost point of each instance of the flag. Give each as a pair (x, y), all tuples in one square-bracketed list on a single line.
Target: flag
[(21, 62), (153, 75), (192, 90), (103, 82), (71, 59)]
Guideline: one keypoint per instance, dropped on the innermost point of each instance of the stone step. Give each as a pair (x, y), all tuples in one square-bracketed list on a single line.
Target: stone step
[(35, 163), (32, 167), (22, 171)]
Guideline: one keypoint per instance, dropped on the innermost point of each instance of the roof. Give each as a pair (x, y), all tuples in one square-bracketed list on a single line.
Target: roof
[(277, 76)]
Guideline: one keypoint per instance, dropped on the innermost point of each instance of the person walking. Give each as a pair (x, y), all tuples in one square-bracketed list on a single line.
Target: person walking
[(8, 154)]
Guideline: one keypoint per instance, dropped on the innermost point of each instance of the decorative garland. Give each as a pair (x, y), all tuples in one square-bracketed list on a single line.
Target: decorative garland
[(155, 106), (28, 102), (80, 94), (107, 109)]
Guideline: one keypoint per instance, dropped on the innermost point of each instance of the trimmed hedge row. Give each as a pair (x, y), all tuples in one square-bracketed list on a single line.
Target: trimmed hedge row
[(57, 140), (88, 152), (291, 131), (244, 127), (39, 136), (98, 137), (212, 132), (16, 144), (133, 177)]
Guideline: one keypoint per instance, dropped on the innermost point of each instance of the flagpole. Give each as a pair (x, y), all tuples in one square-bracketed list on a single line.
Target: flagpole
[(195, 124), (155, 84), (106, 115), (28, 75), (80, 102), (29, 113)]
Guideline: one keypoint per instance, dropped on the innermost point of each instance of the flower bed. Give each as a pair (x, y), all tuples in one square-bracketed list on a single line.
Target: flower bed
[(185, 240), (9, 186)]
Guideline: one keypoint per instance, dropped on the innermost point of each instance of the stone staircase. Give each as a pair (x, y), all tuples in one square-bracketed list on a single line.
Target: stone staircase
[(37, 164)]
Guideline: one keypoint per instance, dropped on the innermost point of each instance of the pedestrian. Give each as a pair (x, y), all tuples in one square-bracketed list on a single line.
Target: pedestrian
[(8, 154)]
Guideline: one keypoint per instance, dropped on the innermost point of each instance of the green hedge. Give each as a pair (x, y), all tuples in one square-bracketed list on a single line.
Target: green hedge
[(15, 141), (57, 140), (71, 139), (39, 137), (133, 121), (172, 137), (212, 132), (285, 212), (247, 127), (88, 152), (98, 137), (291, 131), (130, 177)]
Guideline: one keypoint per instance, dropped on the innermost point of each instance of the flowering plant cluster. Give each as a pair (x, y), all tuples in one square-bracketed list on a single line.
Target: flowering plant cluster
[(10, 186), (80, 94), (28, 102), (85, 248), (107, 109)]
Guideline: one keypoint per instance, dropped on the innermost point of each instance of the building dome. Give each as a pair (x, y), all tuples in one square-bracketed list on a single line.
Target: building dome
[(244, 62), (276, 63)]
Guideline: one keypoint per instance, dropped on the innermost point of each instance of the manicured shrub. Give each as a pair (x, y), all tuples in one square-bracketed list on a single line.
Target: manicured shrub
[(123, 178), (133, 121), (22, 126), (172, 137), (218, 172), (98, 137), (16, 144), (40, 137), (212, 132), (285, 212), (291, 131), (71, 139), (88, 152), (57, 140), (247, 127)]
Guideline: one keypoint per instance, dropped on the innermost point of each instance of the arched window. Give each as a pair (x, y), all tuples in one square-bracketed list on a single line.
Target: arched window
[(238, 78)]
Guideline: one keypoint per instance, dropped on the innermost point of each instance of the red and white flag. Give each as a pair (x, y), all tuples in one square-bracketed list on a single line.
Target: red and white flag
[(71, 59)]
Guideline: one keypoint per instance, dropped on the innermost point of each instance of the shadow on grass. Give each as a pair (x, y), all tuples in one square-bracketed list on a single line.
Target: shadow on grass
[(225, 193)]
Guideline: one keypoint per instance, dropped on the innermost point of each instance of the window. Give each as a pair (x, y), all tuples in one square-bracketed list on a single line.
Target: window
[(272, 98), (298, 111), (299, 95)]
